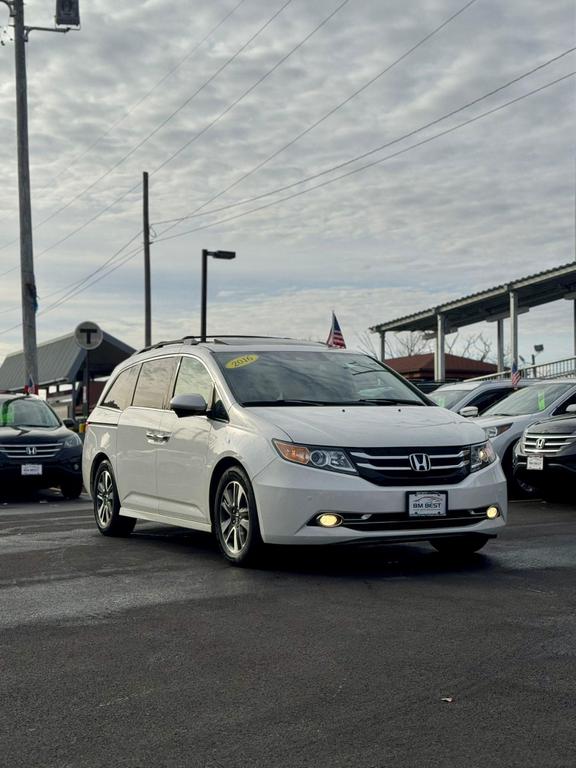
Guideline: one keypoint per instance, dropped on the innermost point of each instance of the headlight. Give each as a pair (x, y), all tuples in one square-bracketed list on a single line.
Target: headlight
[(481, 455), (492, 432), (332, 459), (72, 441)]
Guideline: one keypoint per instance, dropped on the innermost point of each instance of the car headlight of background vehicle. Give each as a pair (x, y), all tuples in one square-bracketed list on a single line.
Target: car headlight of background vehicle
[(333, 459), (481, 455), (73, 441), (492, 432)]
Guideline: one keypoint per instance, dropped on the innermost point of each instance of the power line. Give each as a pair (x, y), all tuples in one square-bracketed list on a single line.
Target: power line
[(136, 104), (82, 280), (332, 111), (372, 164), (152, 133), (370, 152)]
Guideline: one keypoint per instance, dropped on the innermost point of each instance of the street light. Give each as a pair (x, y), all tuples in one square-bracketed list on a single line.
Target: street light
[(215, 255)]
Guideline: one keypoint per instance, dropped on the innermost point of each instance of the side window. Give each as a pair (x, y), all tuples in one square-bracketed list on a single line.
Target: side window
[(119, 396), (488, 398), (194, 379), (569, 401), (154, 382)]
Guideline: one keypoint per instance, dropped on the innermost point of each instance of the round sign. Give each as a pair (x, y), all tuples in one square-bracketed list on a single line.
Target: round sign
[(88, 335)]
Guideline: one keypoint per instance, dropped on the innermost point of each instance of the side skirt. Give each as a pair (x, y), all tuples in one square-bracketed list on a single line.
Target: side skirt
[(158, 518)]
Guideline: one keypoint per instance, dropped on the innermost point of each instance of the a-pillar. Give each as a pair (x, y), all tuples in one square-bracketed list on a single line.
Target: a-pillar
[(382, 345), (439, 356), (500, 344), (513, 328)]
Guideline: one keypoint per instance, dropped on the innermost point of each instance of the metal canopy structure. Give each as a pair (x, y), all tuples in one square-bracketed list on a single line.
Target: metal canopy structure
[(493, 305), (61, 361)]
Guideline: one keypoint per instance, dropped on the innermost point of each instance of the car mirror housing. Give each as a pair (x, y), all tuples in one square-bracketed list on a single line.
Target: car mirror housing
[(70, 424), (188, 405), (469, 411), (571, 408)]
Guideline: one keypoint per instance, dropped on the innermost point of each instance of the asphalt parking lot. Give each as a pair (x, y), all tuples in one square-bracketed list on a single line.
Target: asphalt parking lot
[(151, 651)]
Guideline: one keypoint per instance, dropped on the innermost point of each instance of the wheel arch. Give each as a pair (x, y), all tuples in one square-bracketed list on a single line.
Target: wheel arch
[(98, 459)]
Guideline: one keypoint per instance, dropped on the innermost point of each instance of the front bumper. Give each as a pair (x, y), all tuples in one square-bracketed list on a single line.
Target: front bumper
[(557, 469), (53, 473), (289, 497)]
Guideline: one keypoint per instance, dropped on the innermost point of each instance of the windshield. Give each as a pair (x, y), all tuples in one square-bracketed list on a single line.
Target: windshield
[(22, 412), (533, 399), (448, 398), (312, 378)]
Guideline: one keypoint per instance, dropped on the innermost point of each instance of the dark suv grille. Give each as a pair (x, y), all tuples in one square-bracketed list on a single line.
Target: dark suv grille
[(392, 466)]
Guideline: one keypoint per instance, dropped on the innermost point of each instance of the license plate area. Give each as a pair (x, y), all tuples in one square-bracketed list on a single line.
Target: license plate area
[(427, 504), (31, 469), (535, 462)]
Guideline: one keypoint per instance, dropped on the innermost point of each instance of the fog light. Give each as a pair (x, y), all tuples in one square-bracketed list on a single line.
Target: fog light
[(329, 521), (492, 513)]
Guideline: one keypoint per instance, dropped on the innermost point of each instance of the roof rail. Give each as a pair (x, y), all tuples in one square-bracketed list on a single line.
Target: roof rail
[(216, 339)]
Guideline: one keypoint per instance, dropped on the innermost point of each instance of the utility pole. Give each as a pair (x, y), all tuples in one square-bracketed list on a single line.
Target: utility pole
[(147, 288), (67, 16), (27, 279)]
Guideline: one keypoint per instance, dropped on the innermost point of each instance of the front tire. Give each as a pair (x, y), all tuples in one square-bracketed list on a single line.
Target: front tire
[(459, 546), (235, 518), (71, 489), (107, 504)]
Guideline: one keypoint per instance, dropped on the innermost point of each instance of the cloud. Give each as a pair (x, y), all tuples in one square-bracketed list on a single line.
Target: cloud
[(488, 203)]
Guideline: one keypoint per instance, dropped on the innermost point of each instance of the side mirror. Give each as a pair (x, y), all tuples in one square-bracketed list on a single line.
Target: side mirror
[(469, 411), (571, 408), (188, 405), (70, 424)]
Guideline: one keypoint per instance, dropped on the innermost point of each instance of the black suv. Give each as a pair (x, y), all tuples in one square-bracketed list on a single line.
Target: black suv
[(545, 457), (36, 449)]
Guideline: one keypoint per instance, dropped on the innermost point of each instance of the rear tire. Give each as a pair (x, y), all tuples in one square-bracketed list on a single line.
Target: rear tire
[(235, 519), (107, 504), (71, 489), (459, 546)]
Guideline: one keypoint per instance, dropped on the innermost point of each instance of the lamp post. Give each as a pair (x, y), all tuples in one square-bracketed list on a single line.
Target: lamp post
[(215, 255)]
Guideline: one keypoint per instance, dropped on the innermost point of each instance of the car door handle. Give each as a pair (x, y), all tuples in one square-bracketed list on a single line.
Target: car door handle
[(158, 438)]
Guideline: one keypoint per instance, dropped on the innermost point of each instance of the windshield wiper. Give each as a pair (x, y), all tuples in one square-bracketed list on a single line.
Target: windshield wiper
[(284, 402), (389, 401)]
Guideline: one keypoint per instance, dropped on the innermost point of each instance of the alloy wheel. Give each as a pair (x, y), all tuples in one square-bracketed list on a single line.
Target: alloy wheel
[(104, 498), (234, 517)]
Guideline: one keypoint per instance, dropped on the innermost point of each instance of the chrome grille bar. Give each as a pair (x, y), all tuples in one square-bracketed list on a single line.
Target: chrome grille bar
[(31, 451)]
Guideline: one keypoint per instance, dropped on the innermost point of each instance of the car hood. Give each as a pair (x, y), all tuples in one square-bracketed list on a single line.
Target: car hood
[(26, 435), (372, 426), (565, 425), (496, 421)]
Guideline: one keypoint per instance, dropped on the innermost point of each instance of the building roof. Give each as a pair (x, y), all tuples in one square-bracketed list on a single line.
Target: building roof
[(61, 361), (492, 304), (455, 365)]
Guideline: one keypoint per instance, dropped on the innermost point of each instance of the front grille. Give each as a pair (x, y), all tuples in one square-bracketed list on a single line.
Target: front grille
[(29, 451), (546, 444), (391, 466), (400, 521)]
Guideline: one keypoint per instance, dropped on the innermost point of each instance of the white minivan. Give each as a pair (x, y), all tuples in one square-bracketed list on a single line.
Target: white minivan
[(274, 441)]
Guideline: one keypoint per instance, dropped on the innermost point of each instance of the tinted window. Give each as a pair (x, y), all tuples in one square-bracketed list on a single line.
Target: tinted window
[(154, 382), (194, 379), (309, 378), (570, 401), (119, 396), (22, 412), (486, 399)]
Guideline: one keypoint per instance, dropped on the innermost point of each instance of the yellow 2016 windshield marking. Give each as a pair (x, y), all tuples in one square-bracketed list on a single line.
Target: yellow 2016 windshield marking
[(240, 362)]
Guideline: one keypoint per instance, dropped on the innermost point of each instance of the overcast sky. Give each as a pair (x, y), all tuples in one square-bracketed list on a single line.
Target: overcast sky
[(490, 202)]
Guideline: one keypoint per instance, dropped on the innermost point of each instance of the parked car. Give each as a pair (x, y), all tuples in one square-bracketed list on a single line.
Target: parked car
[(545, 457), (37, 450), (286, 443), (504, 422), (474, 396)]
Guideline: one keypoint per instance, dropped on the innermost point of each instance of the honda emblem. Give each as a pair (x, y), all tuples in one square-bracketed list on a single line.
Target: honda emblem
[(420, 462), (31, 450)]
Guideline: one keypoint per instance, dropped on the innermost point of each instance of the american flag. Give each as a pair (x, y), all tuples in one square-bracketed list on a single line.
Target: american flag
[(335, 339), (30, 388), (515, 375)]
